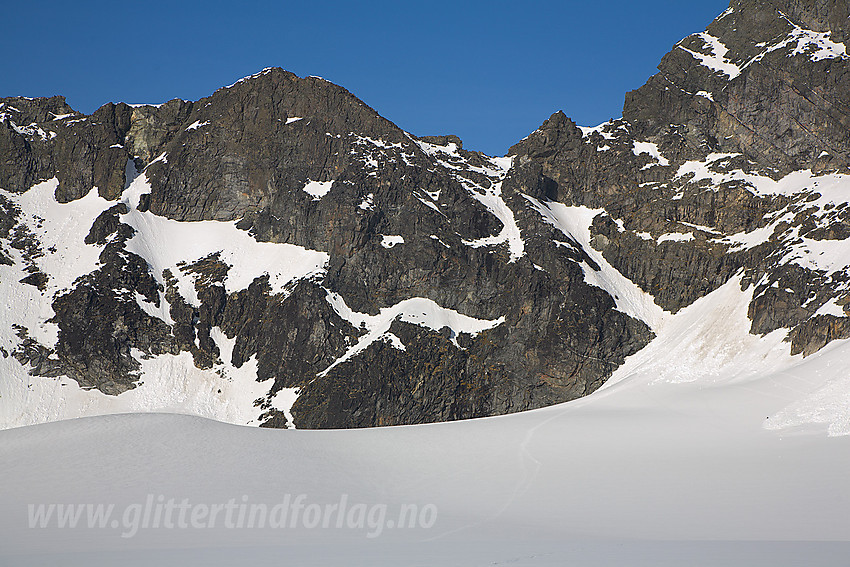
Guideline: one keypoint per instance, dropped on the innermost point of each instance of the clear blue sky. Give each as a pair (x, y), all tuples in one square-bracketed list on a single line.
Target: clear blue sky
[(488, 71)]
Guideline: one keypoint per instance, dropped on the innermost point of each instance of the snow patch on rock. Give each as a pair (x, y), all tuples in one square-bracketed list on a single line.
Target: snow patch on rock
[(715, 60), (629, 298), (165, 243), (416, 310), (317, 189), (388, 241)]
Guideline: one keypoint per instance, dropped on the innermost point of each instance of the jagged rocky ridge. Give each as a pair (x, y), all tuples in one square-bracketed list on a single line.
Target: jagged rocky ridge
[(281, 251)]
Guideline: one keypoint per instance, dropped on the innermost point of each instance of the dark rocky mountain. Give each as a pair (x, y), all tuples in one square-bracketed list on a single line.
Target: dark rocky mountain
[(283, 230)]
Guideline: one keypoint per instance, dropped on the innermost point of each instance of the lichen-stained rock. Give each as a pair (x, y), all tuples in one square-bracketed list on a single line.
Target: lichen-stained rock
[(707, 174), (43, 137), (282, 233), (303, 162), (767, 79), (817, 332)]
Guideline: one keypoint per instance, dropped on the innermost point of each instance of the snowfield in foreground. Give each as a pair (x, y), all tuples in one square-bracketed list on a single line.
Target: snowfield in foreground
[(717, 456)]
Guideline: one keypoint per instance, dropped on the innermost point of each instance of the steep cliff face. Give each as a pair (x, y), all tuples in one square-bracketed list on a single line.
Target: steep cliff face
[(733, 157), (279, 253), (283, 225), (766, 79)]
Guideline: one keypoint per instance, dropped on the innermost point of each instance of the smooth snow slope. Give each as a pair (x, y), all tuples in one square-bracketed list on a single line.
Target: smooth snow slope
[(660, 467)]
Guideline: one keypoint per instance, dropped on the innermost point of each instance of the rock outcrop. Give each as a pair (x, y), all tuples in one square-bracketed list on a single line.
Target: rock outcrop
[(369, 277)]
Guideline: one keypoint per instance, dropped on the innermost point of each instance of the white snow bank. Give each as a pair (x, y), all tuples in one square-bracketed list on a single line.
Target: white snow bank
[(707, 346), (834, 187), (249, 77), (815, 45), (816, 196), (586, 131), (601, 481), (496, 169), (368, 203), (164, 243), (491, 198), (61, 229), (317, 189), (196, 124), (716, 60), (416, 310), (676, 237), (575, 223), (167, 383), (388, 241), (652, 150), (831, 308), (829, 404), (707, 341)]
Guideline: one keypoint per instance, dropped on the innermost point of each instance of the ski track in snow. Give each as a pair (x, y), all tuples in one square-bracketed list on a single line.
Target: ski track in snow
[(708, 433), (640, 460)]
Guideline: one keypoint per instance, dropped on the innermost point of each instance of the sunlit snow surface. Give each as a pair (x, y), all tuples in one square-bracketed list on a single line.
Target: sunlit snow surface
[(165, 243), (813, 45), (61, 230), (574, 222), (716, 59), (165, 382), (317, 189), (674, 462), (169, 382), (711, 446), (416, 310), (652, 150)]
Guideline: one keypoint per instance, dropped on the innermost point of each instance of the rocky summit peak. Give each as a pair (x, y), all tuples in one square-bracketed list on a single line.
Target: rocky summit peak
[(816, 15), (279, 254), (763, 80)]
